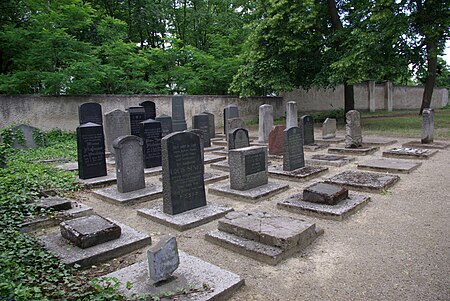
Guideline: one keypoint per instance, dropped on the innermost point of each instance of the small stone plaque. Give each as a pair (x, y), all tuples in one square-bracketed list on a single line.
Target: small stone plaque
[(91, 151), (255, 163), (150, 109), (308, 129), (324, 193), (137, 115), (163, 258), (151, 135), (90, 112)]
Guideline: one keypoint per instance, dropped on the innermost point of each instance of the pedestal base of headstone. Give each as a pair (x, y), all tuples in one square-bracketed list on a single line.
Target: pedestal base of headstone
[(221, 165), (223, 152), (360, 151), (153, 171), (266, 238), (99, 181), (364, 181), (213, 158), (332, 160), (111, 195), (213, 148), (340, 211), (386, 165), (211, 177), (300, 175), (314, 147), (334, 140), (70, 254), (373, 141), (409, 153), (433, 145), (253, 195), (186, 220), (192, 273), (69, 166), (219, 142)]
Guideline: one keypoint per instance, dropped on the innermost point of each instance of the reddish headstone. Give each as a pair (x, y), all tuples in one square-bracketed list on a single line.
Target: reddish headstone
[(276, 140)]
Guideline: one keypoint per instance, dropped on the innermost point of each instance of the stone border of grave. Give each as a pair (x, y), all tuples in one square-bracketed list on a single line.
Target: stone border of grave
[(341, 160), (364, 181), (252, 195), (387, 165), (420, 154), (111, 195), (302, 174), (363, 150), (432, 145)]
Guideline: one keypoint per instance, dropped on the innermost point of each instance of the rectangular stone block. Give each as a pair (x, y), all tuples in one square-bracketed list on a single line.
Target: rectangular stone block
[(324, 193), (54, 203), (248, 167)]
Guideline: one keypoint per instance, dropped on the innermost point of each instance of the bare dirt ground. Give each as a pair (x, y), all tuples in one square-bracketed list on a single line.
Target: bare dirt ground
[(395, 248)]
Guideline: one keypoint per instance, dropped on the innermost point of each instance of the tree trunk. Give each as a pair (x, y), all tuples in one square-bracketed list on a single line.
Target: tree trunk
[(431, 74)]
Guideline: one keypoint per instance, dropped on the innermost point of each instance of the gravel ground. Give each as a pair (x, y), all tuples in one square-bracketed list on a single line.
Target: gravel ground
[(395, 248)]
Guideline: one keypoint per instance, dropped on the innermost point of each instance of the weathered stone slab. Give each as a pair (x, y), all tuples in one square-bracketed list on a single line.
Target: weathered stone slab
[(129, 163), (431, 145), (99, 181), (32, 137), (221, 165), (153, 171), (238, 138), (329, 128), (333, 160), (212, 124), (163, 258), (207, 159), (324, 193), (353, 136), (166, 124), (276, 140), (151, 135), (291, 114), (211, 177), (54, 203), (265, 123), (214, 148), (427, 126), (230, 111), (113, 196), (386, 165), (178, 116), (301, 174), (252, 195), (201, 122), (315, 147), (234, 123), (293, 157), (329, 141), (364, 150), (192, 272), (70, 254), (186, 220), (117, 123), (409, 153), (248, 167), (307, 126), (364, 181)]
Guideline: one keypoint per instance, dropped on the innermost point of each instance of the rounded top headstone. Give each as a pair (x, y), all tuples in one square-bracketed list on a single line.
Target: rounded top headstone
[(119, 141)]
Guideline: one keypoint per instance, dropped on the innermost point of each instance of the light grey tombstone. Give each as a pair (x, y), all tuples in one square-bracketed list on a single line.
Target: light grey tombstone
[(163, 258), (212, 124), (117, 123), (371, 95), (248, 167), (129, 163), (178, 117), (329, 128), (32, 137), (427, 126), (234, 123), (307, 123), (291, 114), (353, 137), (389, 91), (265, 122), (166, 124), (293, 157), (230, 111)]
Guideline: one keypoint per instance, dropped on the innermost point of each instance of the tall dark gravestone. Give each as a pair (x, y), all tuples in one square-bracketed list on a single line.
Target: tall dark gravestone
[(238, 138), (178, 117), (137, 115), (150, 109), (308, 129), (212, 124), (183, 172), (151, 136), (166, 124), (201, 122), (91, 151), (230, 111), (90, 112), (293, 157)]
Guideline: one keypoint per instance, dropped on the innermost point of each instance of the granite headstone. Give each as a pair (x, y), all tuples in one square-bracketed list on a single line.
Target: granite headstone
[(117, 123), (276, 140), (91, 151), (238, 138), (201, 122), (230, 111), (166, 124), (293, 157), (308, 129), (90, 112), (137, 115), (129, 163), (150, 109), (291, 114), (163, 258), (248, 167), (178, 117), (353, 137), (151, 137), (212, 124)]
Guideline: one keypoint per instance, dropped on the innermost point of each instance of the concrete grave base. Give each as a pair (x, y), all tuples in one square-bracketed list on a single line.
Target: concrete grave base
[(219, 142), (111, 161), (315, 147), (153, 171), (222, 152), (213, 148), (99, 181), (409, 153), (433, 145), (386, 165), (217, 138), (332, 160), (378, 141), (222, 165), (300, 175), (340, 211), (186, 220), (212, 177), (111, 195), (253, 195), (192, 272), (269, 239), (334, 140), (70, 254), (213, 158), (69, 166), (364, 181), (360, 151)]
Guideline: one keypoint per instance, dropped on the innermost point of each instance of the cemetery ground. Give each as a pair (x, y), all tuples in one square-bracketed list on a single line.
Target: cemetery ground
[(395, 248)]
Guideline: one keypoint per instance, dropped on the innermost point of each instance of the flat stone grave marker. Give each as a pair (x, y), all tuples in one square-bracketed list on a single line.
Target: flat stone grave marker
[(291, 114), (90, 112), (431, 145), (166, 124), (91, 151), (353, 136), (178, 117), (263, 237), (308, 129), (26, 136), (230, 111), (409, 153), (201, 122), (150, 109), (265, 123), (276, 141), (329, 128), (387, 165), (163, 258), (117, 123), (238, 138), (151, 136), (333, 160), (364, 181), (137, 115), (363, 150)]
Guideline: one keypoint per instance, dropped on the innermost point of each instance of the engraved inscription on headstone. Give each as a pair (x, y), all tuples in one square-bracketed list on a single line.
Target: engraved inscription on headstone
[(248, 167), (238, 138), (91, 151), (178, 117), (117, 123), (129, 163), (150, 109), (137, 115), (255, 163), (90, 112), (151, 136), (293, 157), (166, 124), (308, 129)]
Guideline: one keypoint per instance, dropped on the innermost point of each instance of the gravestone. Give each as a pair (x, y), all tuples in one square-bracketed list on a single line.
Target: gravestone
[(149, 108), (238, 138), (137, 115), (91, 151), (293, 157), (427, 126), (117, 123), (353, 137), (291, 114), (307, 123), (201, 122), (230, 111), (329, 128), (163, 259), (182, 170), (212, 124), (26, 136), (200, 134), (276, 140), (265, 122), (129, 163), (90, 112), (325, 193), (248, 167), (166, 124), (234, 123), (151, 137), (178, 117)]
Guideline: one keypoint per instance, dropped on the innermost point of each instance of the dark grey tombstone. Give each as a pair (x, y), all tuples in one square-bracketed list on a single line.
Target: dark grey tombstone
[(178, 117), (230, 111), (199, 133), (150, 109), (183, 172), (427, 126), (238, 138), (293, 157), (117, 123), (129, 163), (234, 123), (201, 122), (32, 137), (308, 129), (90, 112), (166, 124), (137, 115), (91, 151), (151, 136), (212, 124)]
